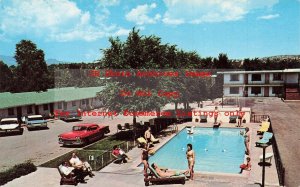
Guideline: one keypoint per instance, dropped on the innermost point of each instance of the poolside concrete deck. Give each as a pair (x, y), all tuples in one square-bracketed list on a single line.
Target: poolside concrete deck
[(132, 176), (285, 117)]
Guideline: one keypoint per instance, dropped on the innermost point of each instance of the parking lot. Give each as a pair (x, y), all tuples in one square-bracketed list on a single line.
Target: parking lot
[(40, 146)]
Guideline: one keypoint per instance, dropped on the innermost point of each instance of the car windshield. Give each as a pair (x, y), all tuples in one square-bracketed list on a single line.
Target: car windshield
[(35, 119), (8, 122), (79, 128)]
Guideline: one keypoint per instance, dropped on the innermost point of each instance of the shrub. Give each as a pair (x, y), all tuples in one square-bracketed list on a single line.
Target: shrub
[(16, 172)]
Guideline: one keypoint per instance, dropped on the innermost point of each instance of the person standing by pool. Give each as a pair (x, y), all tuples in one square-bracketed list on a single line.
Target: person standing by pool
[(190, 155), (147, 134), (145, 157), (216, 113), (247, 140)]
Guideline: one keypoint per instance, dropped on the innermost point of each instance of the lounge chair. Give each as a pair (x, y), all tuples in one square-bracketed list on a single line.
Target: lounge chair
[(268, 157), (265, 139), (154, 178), (70, 179), (141, 141), (264, 127), (203, 119), (232, 119), (154, 140), (118, 159), (127, 126), (120, 128)]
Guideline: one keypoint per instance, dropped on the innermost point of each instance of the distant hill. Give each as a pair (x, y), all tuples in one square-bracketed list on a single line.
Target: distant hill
[(9, 60), (283, 57)]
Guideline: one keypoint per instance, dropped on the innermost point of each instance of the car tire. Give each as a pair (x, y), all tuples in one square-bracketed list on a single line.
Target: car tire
[(86, 141)]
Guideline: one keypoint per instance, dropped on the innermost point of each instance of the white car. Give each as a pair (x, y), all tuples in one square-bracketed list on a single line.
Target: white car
[(10, 125), (35, 121)]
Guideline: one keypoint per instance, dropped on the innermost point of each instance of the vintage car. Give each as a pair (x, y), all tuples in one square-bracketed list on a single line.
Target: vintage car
[(68, 115), (35, 121), (10, 125), (83, 134)]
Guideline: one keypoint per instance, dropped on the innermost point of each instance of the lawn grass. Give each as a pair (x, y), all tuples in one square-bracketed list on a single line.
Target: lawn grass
[(94, 151)]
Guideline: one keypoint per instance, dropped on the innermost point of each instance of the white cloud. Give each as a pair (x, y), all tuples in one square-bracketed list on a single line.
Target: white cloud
[(270, 16), (122, 32), (109, 2), (140, 16), (199, 11), (58, 20)]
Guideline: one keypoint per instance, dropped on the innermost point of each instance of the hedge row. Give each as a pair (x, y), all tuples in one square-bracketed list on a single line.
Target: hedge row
[(16, 172)]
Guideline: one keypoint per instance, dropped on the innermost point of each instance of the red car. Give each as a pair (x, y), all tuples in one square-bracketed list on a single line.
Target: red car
[(83, 134)]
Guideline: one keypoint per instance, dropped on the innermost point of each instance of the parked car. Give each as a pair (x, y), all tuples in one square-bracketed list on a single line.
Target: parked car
[(83, 134), (35, 121), (10, 125), (68, 115)]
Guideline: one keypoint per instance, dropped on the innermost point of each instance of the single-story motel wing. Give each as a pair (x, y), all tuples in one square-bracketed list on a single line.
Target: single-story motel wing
[(44, 103)]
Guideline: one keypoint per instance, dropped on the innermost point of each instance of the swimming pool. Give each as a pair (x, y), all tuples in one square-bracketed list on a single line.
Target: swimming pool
[(217, 150)]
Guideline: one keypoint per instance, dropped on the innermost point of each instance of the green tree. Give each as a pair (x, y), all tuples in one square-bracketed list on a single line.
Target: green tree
[(31, 71), (6, 78)]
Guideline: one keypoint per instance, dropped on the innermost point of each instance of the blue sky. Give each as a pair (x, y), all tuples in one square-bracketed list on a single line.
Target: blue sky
[(76, 30)]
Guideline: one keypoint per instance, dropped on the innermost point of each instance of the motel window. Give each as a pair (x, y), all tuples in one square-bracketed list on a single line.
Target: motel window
[(11, 111), (73, 103), (87, 101), (83, 102), (65, 106), (45, 106), (256, 90), (59, 105), (277, 76), (29, 109), (234, 77), (234, 90), (276, 90), (256, 77)]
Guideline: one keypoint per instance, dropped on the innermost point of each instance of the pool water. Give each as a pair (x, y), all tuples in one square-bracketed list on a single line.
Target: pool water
[(216, 150)]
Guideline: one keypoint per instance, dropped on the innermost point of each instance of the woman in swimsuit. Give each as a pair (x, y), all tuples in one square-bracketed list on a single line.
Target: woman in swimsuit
[(190, 155), (145, 157), (247, 140)]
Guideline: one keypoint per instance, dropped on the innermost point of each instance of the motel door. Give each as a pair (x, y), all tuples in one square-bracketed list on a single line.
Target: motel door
[(19, 113), (36, 108)]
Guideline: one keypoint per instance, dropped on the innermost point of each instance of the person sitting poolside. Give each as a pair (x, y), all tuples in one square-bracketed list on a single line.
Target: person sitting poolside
[(69, 171), (164, 173), (246, 166), (81, 165), (120, 154)]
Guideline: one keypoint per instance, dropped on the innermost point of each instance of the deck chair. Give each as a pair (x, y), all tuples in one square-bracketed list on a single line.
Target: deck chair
[(264, 127), (127, 126), (203, 119), (120, 128), (70, 179), (266, 139), (268, 157), (118, 159), (156, 179), (154, 140)]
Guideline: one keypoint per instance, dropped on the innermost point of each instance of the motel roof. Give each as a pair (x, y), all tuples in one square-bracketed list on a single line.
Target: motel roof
[(8, 100), (260, 71)]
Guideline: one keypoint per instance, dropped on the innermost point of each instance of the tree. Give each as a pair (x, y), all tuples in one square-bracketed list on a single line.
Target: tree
[(31, 71), (6, 78)]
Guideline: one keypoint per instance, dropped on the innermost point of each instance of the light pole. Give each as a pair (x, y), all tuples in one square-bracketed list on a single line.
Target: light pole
[(263, 163)]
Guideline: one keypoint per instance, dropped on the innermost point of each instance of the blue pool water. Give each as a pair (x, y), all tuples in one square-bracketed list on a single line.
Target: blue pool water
[(217, 150)]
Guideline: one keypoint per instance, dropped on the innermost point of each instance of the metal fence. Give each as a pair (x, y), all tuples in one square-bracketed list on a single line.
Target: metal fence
[(257, 118), (99, 160), (279, 166)]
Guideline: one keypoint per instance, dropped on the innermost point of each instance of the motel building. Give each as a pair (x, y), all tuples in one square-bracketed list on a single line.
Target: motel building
[(266, 83), (44, 103)]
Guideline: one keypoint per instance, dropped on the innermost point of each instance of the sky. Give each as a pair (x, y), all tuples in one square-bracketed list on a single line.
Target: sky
[(77, 30)]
